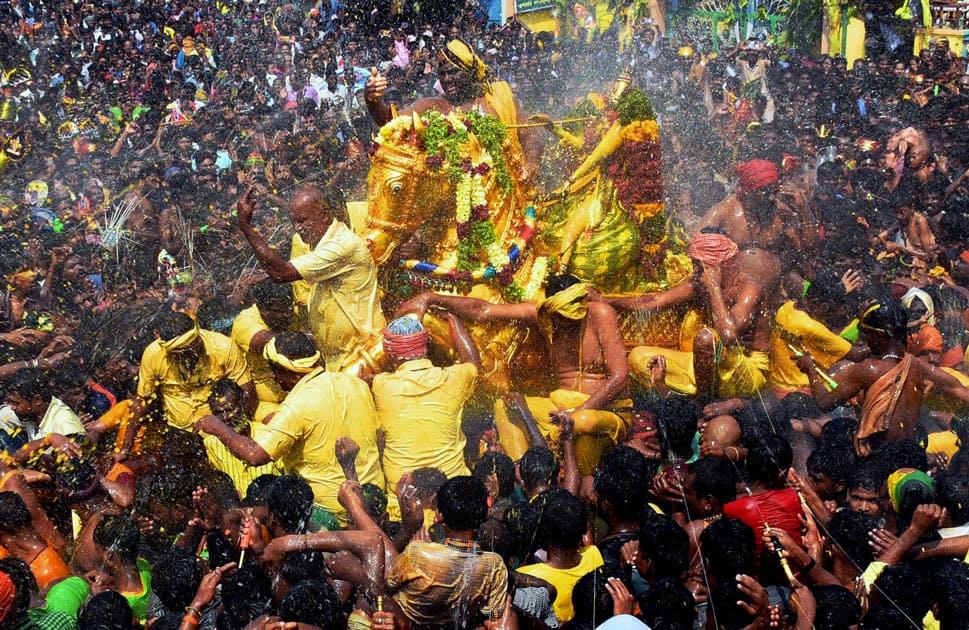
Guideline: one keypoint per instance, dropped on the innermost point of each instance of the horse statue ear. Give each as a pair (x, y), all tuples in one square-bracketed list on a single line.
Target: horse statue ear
[(418, 125)]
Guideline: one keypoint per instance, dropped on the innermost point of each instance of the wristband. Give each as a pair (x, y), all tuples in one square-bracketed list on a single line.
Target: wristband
[(192, 621), (809, 567), (193, 609)]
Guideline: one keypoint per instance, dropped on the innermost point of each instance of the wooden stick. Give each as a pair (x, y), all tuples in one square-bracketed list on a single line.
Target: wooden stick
[(564, 121)]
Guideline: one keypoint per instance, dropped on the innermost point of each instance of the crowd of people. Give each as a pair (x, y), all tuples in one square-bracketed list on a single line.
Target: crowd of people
[(215, 417)]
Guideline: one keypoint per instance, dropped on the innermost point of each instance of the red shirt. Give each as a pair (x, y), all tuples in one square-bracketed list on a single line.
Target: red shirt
[(777, 508)]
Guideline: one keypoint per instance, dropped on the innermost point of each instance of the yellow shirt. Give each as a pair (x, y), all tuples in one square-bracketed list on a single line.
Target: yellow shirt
[(564, 579), (419, 407), (185, 396), (301, 288), (322, 407), (344, 309), (797, 328), (247, 325), (59, 418), (241, 473)]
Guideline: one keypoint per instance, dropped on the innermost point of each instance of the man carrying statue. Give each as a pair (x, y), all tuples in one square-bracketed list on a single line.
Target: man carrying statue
[(464, 81), (591, 382)]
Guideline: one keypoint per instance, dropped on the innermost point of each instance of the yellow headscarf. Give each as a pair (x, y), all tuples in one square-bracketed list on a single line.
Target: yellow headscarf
[(571, 302), (182, 341), (462, 57), (299, 366)]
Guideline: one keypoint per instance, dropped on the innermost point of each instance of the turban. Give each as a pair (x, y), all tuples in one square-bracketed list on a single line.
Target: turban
[(917, 294), (8, 592), (182, 341), (571, 303), (711, 248), (304, 365), (927, 339), (756, 174), (462, 57), (405, 338), (905, 478)]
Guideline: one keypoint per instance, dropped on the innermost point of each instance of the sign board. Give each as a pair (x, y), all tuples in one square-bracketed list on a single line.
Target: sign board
[(524, 6)]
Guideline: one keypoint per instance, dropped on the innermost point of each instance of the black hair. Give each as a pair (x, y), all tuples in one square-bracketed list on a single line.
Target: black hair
[(463, 502), (537, 467), (502, 467), (563, 521), (887, 317), (558, 283), (836, 464), (728, 546), (953, 494), (295, 345), (867, 476), (217, 314), (174, 323), (622, 474), (27, 384), (678, 418), (900, 454), (14, 515), (258, 491), (668, 601), (375, 501), (119, 534), (838, 433), (837, 607), (665, 545), (768, 459), (77, 478), (24, 582), (716, 477), (723, 599), (303, 565), (952, 578), (428, 482), (900, 586), (245, 594), (850, 531), (591, 600), (175, 578), (268, 292), (106, 611), (291, 503), (313, 602), (521, 521)]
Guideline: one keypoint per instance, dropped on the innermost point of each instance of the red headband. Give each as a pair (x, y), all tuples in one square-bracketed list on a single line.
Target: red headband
[(757, 174)]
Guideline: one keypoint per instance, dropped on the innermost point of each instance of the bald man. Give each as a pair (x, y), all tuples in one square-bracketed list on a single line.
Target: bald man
[(343, 307)]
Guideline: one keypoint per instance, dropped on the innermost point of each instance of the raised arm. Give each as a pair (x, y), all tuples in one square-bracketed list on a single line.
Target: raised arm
[(468, 308), (653, 301), (462, 341), (243, 447), (278, 268)]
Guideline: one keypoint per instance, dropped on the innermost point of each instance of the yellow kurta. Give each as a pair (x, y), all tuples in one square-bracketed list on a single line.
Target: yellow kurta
[(564, 579), (322, 407), (797, 328), (247, 325), (419, 407), (344, 308), (241, 473), (185, 396)]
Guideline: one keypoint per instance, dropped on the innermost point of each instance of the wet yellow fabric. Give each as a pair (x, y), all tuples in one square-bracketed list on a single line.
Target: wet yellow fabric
[(795, 327), (595, 429), (185, 396), (564, 579), (247, 325), (741, 372), (302, 434), (419, 407), (240, 472), (301, 288), (938, 400), (344, 308)]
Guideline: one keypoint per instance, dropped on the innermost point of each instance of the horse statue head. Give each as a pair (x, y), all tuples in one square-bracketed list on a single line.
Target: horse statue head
[(441, 183)]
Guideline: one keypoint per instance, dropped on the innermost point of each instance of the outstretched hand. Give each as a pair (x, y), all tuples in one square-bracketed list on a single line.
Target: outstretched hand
[(245, 207)]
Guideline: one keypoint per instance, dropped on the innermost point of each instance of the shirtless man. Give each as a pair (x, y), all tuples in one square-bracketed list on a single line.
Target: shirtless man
[(751, 215), (464, 79), (891, 382), (735, 286), (912, 234), (589, 381)]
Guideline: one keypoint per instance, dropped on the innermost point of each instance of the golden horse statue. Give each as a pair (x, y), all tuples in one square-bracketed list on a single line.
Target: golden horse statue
[(446, 213)]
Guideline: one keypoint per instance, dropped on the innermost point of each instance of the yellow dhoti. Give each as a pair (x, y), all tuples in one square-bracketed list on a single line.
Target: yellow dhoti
[(595, 429), (741, 372)]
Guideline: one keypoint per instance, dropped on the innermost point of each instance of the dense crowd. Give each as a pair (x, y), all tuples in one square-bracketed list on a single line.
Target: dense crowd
[(188, 442)]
